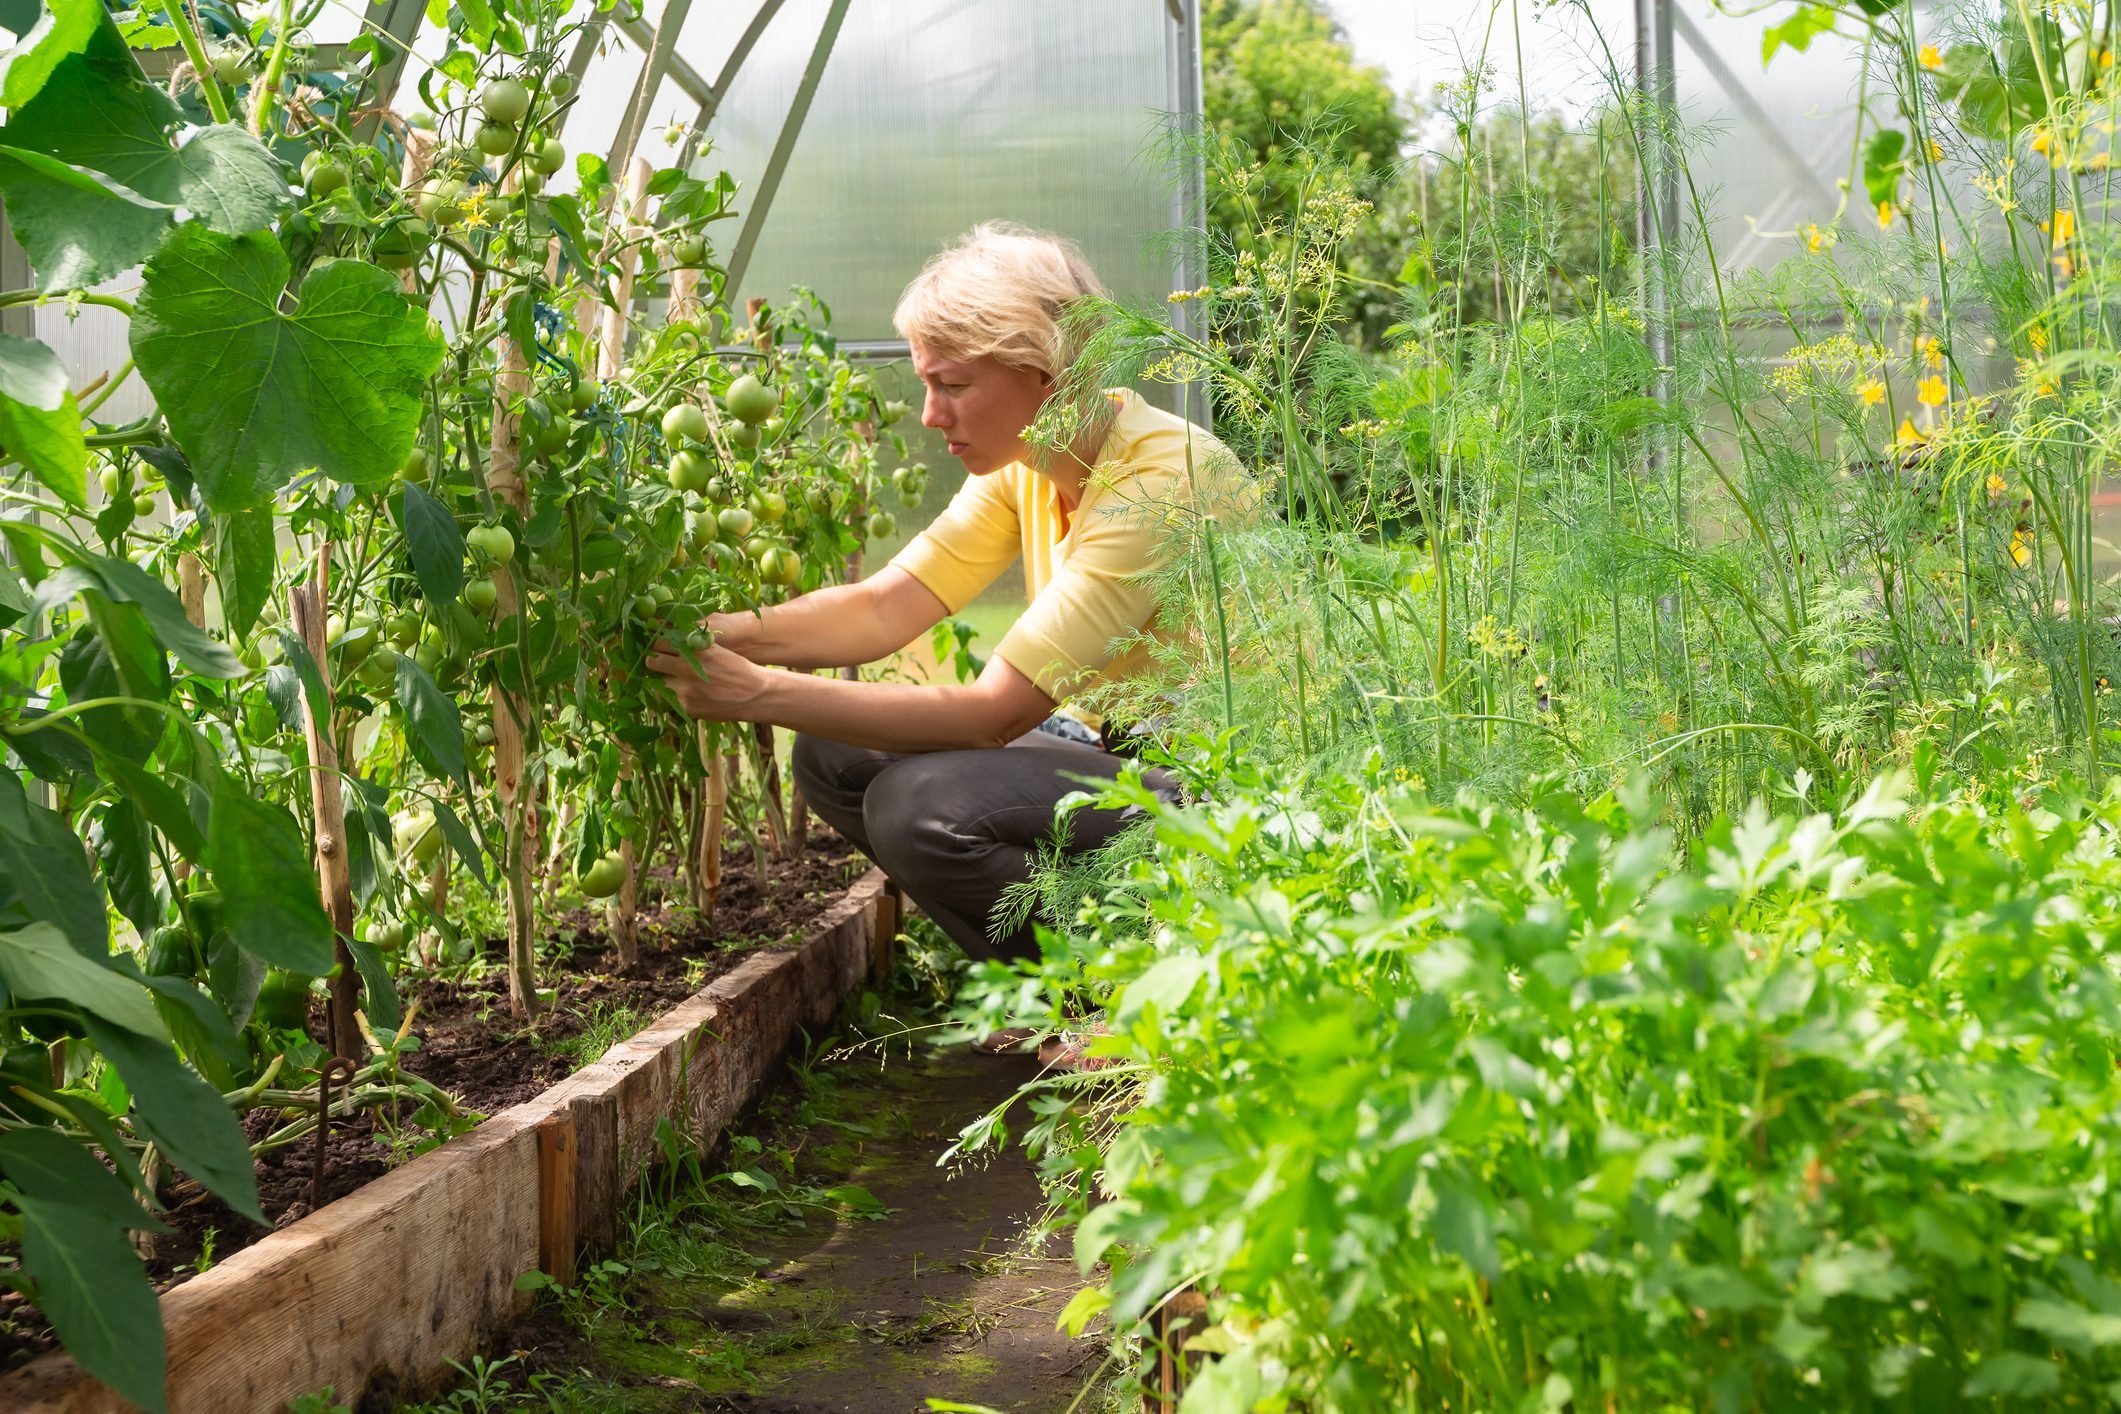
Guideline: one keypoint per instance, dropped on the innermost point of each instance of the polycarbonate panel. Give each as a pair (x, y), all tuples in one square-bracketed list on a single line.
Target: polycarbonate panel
[(933, 115)]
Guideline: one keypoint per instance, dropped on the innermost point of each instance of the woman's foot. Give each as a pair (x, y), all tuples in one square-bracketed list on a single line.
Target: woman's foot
[(1069, 1050)]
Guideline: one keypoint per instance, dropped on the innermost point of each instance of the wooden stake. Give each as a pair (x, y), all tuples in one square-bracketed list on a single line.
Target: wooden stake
[(612, 339), (512, 715), (419, 156), (623, 912), (307, 606), (714, 809)]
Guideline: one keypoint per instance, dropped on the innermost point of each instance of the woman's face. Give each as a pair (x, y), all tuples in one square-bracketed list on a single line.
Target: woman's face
[(981, 405)]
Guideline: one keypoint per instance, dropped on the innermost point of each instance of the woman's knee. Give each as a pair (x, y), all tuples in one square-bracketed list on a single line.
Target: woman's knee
[(903, 810)]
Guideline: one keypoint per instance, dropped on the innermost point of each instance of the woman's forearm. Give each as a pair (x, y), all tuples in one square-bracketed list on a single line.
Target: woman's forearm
[(900, 717), (842, 626)]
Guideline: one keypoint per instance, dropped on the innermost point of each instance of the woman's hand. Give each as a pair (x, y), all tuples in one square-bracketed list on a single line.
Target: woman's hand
[(724, 686)]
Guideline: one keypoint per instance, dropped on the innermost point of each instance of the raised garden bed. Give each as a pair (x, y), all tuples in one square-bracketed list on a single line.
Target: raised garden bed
[(373, 1294)]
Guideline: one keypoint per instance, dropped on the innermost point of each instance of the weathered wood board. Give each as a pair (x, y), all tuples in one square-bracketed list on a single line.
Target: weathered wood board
[(373, 1295)]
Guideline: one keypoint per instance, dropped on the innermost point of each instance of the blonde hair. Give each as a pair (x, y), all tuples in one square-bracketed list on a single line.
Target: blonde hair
[(1001, 292)]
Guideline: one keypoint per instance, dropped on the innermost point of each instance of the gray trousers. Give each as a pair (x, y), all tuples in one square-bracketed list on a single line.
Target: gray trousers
[(955, 828)]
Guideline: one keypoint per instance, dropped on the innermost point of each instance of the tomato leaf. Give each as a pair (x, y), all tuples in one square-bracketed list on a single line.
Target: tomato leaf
[(459, 839), (1797, 32), (248, 557), (435, 544), (39, 965), (38, 419), (183, 1115), (92, 1288), (269, 892), (159, 801), (437, 728), (257, 397), (382, 992)]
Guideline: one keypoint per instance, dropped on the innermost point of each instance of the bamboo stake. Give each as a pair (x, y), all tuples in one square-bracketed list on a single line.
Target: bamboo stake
[(512, 714), (623, 912), (306, 612), (419, 156), (714, 807)]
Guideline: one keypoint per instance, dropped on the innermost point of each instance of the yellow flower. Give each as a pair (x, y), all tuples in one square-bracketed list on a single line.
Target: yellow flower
[(1996, 488), (475, 211), (1934, 148), (2064, 267), (1930, 392), (1929, 58), (1932, 354), (2021, 549), (2042, 138), (2065, 227), (2100, 161), (1907, 436), (1816, 240), (2037, 337), (1872, 392), (1885, 215)]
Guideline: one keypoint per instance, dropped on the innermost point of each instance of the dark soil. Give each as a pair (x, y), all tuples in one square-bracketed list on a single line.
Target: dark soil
[(472, 1049)]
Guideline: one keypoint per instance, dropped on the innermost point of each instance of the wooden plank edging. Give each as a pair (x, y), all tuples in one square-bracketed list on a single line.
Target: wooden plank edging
[(375, 1293)]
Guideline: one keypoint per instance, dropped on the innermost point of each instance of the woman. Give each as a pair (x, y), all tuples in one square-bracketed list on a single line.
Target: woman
[(952, 788)]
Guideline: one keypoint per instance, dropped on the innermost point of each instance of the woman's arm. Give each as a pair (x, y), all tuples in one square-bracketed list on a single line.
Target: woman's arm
[(1000, 706), (842, 626)]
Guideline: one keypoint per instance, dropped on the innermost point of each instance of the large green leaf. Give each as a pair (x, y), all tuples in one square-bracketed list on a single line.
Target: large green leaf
[(123, 580), (256, 396), (93, 1290), (268, 889), (38, 965), (63, 29), (79, 227), (43, 1163), (92, 177), (39, 423), (119, 658), (185, 1117), (44, 875)]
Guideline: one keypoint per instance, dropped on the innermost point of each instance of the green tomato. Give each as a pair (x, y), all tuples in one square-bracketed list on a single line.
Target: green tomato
[(495, 139), (548, 157), (400, 246), (561, 86), (818, 500), (604, 878), (781, 565), (688, 471), (403, 628), (492, 543), (751, 401), (744, 437), (143, 505), (416, 465), (114, 482), (505, 101), (768, 505), (644, 606), (895, 411), (230, 66), (909, 496), (734, 523), (689, 250), (423, 120), (685, 422), (585, 395), (882, 525), (481, 594), (325, 179), (380, 669)]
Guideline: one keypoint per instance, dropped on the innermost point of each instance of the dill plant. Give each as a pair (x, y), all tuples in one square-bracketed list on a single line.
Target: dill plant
[(1640, 934)]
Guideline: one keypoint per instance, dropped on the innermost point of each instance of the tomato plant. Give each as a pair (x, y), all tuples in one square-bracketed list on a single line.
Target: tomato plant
[(360, 609)]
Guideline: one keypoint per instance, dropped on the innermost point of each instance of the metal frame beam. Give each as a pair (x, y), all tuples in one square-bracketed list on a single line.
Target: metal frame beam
[(784, 145), (660, 48)]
